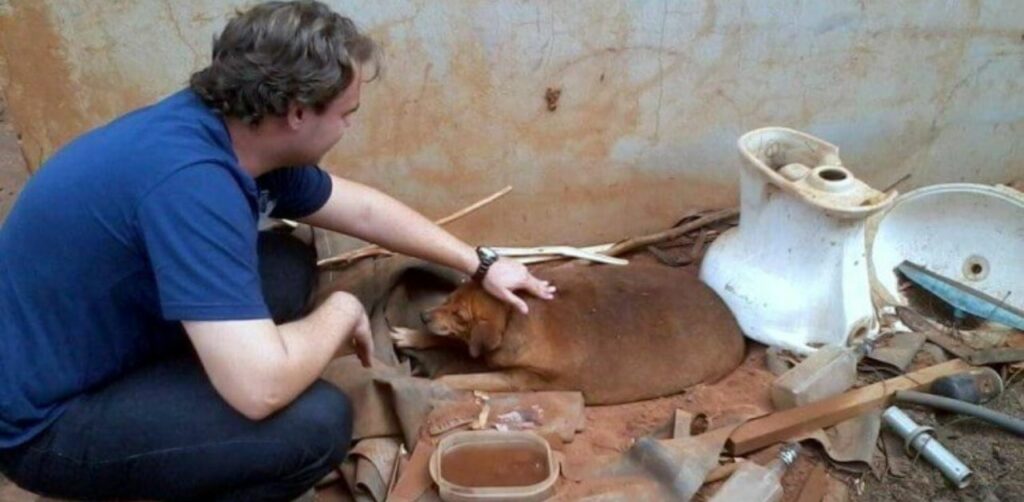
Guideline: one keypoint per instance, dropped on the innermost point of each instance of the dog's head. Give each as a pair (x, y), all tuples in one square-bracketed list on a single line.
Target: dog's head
[(471, 314)]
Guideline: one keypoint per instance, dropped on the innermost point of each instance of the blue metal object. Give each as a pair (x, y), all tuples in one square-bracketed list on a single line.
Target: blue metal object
[(963, 298)]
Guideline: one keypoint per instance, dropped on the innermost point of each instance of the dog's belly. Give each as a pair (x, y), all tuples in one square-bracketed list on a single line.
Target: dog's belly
[(624, 335)]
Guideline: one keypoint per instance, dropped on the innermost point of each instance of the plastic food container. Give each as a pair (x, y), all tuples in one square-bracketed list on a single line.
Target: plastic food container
[(491, 466)]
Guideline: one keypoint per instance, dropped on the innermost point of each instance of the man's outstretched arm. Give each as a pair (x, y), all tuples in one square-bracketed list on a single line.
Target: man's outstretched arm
[(373, 216)]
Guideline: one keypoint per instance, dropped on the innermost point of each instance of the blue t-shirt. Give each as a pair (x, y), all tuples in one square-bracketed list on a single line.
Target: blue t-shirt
[(123, 233)]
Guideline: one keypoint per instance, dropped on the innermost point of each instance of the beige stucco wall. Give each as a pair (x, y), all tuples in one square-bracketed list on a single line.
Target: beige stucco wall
[(653, 95)]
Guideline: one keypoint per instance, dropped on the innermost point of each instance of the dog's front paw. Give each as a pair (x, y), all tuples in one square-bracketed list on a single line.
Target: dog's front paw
[(408, 338), (402, 337)]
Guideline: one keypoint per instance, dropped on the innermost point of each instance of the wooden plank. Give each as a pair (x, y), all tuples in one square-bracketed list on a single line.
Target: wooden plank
[(997, 356), (984, 357), (786, 424), (950, 344), (931, 331)]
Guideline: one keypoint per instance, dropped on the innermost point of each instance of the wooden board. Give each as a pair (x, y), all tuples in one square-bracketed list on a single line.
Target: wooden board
[(786, 424)]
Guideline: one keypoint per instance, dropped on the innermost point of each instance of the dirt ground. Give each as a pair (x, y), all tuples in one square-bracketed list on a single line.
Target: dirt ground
[(995, 456)]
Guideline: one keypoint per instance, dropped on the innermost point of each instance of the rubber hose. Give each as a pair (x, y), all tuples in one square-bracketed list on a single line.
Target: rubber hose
[(1012, 424)]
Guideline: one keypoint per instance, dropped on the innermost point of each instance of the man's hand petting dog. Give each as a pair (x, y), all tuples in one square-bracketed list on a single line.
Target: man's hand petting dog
[(507, 276)]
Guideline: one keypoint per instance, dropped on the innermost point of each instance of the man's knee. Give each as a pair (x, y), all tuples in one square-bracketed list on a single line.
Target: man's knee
[(320, 420)]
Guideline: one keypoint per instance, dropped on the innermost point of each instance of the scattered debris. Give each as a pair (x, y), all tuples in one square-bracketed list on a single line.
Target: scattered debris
[(825, 373), (415, 478), (982, 339), (976, 386), (916, 438), (754, 483), (780, 360), (850, 443), (723, 471), (485, 411), (549, 414), (996, 356), (675, 468), (370, 466), (920, 324), (963, 299), (893, 354), (682, 424), (815, 486), (1014, 425), (837, 491), (786, 424), (934, 353)]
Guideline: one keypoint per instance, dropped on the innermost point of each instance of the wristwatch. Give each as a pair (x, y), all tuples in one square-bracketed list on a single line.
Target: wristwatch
[(487, 257)]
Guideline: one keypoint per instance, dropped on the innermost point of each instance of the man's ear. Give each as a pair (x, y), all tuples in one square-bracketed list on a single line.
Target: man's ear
[(296, 115), (485, 336)]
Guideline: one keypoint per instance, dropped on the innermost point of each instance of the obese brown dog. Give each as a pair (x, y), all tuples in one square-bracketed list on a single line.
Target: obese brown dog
[(617, 334)]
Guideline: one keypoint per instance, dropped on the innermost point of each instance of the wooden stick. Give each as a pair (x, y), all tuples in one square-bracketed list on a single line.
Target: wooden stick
[(600, 248), (476, 205), (646, 240), (783, 425), (561, 251), (375, 250)]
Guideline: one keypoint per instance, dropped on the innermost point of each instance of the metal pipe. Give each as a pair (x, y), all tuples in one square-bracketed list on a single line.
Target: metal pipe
[(916, 438), (1014, 425)]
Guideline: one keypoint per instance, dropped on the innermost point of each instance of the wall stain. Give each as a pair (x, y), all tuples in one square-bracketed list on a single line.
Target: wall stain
[(37, 73), (551, 96), (457, 114)]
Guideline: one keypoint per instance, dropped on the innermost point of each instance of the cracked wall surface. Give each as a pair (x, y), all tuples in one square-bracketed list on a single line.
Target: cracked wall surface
[(651, 96)]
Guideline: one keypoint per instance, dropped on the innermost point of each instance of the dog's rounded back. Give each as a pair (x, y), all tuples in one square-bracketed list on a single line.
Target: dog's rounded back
[(622, 334)]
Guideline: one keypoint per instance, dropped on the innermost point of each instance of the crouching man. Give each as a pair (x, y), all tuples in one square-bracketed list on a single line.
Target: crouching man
[(138, 359)]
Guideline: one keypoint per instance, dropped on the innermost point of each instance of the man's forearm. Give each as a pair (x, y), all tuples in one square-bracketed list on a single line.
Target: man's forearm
[(312, 342), (368, 214), (258, 367)]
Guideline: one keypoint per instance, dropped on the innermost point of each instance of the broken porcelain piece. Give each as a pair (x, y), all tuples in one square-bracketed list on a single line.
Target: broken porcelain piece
[(794, 272), (965, 300), (972, 234)]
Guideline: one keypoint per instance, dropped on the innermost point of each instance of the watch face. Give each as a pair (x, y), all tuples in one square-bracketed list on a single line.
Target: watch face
[(488, 254)]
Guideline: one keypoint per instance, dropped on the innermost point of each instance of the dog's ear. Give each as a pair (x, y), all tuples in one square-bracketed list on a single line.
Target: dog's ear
[(485, 336)]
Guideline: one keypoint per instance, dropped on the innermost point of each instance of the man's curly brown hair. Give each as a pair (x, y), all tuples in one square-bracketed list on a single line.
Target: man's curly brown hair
[(280, 52)]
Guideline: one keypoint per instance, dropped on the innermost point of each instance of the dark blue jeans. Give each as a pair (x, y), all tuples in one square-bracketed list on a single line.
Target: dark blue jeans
[(163, 433)]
